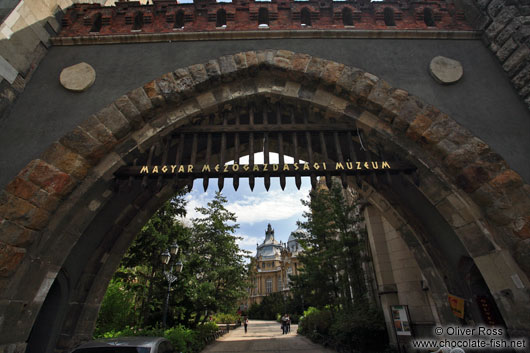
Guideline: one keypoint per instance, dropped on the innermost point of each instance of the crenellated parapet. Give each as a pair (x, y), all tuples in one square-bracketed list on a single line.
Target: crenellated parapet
[(166, 16)]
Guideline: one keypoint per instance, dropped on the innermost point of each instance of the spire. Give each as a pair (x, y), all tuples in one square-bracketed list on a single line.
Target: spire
[(269, 234)]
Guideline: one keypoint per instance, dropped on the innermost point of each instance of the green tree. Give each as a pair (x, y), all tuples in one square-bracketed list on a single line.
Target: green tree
[(117, 308), (217, 261), (140, 269), (333, 242), (332, 278)]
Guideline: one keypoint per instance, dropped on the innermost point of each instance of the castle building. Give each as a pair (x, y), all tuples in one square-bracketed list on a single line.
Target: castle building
[(271, 268)]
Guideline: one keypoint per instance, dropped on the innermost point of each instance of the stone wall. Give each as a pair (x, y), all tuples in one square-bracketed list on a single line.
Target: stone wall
[(506, 26), (25, 32)]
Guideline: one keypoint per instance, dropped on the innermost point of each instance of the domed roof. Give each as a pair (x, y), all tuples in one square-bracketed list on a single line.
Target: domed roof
[(270, 246), (298, 230)]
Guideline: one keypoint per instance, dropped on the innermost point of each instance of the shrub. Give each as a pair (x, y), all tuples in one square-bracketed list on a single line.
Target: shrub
[(360, 328), (222, 318), (116, 309), (183, 339)]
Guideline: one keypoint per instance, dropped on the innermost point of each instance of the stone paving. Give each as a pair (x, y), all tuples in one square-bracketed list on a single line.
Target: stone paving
[(264, 337)]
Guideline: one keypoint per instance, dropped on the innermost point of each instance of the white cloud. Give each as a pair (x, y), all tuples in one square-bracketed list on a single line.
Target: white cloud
[(268, 206), (194, 201), (247, 242)]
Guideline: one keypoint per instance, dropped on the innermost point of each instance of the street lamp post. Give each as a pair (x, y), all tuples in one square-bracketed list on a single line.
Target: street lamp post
[(169, 256)]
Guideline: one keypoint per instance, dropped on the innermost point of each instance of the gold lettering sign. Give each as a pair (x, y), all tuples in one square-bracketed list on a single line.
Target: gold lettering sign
[(289, 169)]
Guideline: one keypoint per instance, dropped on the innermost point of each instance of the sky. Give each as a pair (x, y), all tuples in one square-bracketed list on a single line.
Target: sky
[(255, 209)]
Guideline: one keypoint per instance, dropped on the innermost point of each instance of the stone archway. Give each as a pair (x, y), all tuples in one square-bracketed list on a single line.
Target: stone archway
[(61, 214)]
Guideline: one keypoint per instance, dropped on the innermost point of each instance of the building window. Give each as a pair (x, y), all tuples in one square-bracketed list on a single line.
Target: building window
[(263, 17), (138, 21), (388, 14), (96, 25), (179, 19), (268, 286), (347, 17), (428, 17), (305, 17), (221, 18), (280, 287)]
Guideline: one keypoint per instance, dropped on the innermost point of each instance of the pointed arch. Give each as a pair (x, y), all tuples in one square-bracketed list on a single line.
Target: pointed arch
[(347, 16), (89, 226), (263, 16), (220, 18), (138, 21), (428, 17), (96, 23), (388, 14), (305, 17), (179, 19)]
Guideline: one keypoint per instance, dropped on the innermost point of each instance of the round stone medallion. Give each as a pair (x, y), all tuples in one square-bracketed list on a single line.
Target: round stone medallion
[(78, 77), (445, 70)]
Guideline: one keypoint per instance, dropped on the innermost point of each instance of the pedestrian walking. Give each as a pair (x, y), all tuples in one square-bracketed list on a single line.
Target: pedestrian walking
[(288, 323), (284, 324), (245, 323)]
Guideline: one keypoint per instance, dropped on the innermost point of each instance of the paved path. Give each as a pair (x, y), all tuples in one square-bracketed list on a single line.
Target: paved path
[(264, 337)]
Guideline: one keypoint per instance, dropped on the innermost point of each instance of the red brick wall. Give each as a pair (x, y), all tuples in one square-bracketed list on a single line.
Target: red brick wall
[(243, 15)]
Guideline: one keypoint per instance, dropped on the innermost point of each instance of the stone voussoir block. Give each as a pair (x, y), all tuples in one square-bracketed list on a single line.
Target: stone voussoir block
[(516, 60), (183, 84), (472, 177), (500, 19), (95, 128), (143, 101), (79, 141), (506, 180), (283, 59), (410, 107), (228, 68), (167, 86), (506, 50), (391, 107), (266, 57), (66, 160), (378, 96), (332, 73), (114, 121), (149, 96), (316, 68), (16, 235), (129, 111), (418, 126), (22, 212), (199, 75), (438, 130), (252, 62), (299, 64), (10, 258), (206, 100), (346, 79), (22, 188), (362, 86), (48, 177), (240, 60), (508, 32), (463, 156)]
